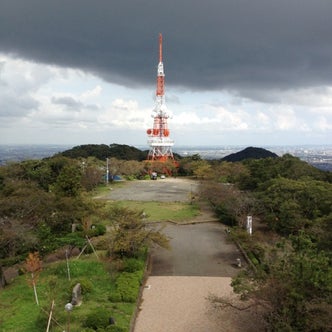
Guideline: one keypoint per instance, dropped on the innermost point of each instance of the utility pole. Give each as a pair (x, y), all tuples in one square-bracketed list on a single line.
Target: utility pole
[(107, 171)]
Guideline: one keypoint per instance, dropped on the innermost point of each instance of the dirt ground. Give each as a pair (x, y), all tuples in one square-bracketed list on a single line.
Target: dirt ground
[(200, 263), (166, 190)]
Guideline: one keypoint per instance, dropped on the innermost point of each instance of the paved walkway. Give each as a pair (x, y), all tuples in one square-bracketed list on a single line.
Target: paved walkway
[(201, 262), (200, 249), (181, 304)]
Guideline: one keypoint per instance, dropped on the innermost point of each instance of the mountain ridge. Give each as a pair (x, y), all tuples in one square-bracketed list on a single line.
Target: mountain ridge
[(249, 153)]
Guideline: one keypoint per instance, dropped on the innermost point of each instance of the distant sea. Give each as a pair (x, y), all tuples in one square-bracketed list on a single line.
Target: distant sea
[(319, 156)]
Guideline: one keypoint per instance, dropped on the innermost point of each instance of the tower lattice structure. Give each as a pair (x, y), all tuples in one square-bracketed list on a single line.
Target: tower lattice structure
[(158, 136)]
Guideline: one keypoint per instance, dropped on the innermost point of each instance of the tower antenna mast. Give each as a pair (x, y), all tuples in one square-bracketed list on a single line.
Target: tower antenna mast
[(158, 136)]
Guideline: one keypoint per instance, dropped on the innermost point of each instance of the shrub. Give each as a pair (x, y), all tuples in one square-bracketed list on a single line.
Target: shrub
[(115, 297), (86, 285), (253, 258), (130, 177), (225, 215), (97, 230), (98, 318), (128, 286), (133, 265), (101, 243), (72, 239), (115, 328)]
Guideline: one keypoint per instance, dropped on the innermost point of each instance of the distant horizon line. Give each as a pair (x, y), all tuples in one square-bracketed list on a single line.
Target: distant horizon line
[(174, 148)]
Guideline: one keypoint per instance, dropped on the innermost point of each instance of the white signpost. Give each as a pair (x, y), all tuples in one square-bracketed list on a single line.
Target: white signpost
[(249, 224)]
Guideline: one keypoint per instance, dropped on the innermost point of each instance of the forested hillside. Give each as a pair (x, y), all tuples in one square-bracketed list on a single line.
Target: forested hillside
[(249, 153), (39, 202), (291, 245), (103, 151)]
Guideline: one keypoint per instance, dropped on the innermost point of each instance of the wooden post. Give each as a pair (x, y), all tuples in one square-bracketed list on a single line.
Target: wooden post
[(50, 317), (91, 245)]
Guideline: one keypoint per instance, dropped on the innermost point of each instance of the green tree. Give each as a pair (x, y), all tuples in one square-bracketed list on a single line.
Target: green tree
[(187, 164), (229, 172), (231, 205), (91, 177), (131, 234), (296, 288), (287, 166), (32, 217), (301, 284), (202, 169), (132, 168), (291, 205), (68, 182), (24, 200), (103, 151), (38, 171), (16, 238)]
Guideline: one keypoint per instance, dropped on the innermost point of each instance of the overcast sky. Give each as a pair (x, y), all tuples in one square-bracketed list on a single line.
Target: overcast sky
[(238, 72)]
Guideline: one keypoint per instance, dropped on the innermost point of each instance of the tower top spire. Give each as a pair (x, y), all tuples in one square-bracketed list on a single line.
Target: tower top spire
[(160, 47), (160, 74)]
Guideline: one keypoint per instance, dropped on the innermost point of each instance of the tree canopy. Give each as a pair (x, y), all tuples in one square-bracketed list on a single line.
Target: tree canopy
[(291, 205), (103, 151)]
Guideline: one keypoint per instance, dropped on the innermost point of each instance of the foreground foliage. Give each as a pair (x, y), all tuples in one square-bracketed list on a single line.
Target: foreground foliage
[(45, 207), (290, 249), (98, 279), (40, 201)]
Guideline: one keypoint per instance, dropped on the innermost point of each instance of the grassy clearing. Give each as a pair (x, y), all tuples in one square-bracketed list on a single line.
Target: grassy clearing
[(20, 313), (105, 189), (162, 211)]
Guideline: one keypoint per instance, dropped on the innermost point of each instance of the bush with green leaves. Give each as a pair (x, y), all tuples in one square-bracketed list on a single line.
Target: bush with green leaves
[(115, 328), (98, 318), (225, 215), (86, 285), (128, 284), (132, 265), (115, 296), (71, 239), (96, 230)]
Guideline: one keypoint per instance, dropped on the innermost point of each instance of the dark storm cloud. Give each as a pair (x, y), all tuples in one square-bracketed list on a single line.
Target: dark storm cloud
[(208, 45), (72, 103)]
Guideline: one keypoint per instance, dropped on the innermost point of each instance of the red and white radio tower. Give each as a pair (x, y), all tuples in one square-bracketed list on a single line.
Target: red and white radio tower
[(158, 137)]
